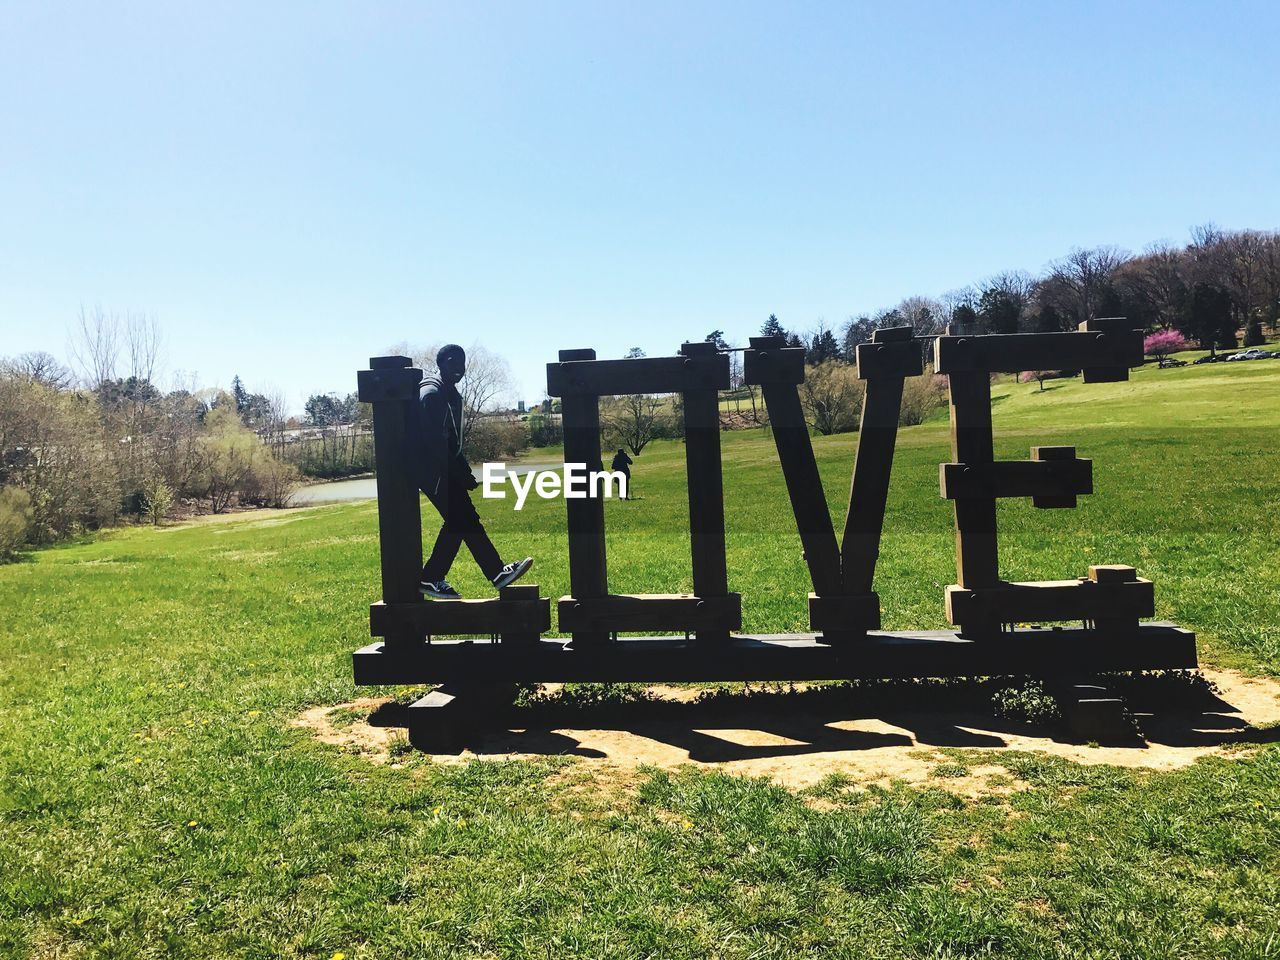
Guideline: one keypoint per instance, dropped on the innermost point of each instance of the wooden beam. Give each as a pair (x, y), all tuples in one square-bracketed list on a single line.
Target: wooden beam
[(441, 617), (853, 614), (892, 360), (373, 386), (1048, 500), (706, 491), (1014, 352), (603, 378), (588, 573), (772, 364), (977, 562), (1043, 480), (391, 386), (938, 653), (804, 486), (869, 485), (655, 611), (1051, 600)]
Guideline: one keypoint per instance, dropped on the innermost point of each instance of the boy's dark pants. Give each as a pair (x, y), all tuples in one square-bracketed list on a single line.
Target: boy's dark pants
[(461, 525)]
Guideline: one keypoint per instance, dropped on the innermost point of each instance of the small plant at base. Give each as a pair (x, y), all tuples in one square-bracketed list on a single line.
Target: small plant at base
[(1027, 703)]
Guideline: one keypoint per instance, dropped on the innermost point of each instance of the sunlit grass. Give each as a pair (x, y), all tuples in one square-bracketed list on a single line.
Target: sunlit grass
[(158, 802)]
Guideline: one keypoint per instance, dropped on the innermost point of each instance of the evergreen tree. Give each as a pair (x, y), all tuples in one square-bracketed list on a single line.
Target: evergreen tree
[(998, 312), (965, 319), (239, 394), (772, 328)]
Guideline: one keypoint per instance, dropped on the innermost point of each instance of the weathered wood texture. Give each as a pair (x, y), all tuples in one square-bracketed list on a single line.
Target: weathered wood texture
[(894, 359), (706, 490), (391, 386), (603, 378), (804, 486), (1043, 652), (873, 462), (844, 615), (1052, 480), (770, 360), (449, 617), (445, 719), (650, 611), (971, 444), (1015, 352), (588, 572), (1051, 600)]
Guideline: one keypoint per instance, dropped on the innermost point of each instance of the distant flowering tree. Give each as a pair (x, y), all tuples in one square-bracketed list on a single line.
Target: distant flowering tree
[(1164, 342), (1040, 376)]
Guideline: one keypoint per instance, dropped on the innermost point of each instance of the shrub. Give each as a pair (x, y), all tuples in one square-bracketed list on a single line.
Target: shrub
[(493, 438), (230, 452), (832, 397), (51, 445), (544, 431), (157, 500), (920, 397), (16, 520), (275, 481), (1026, 703), (1164, 342)]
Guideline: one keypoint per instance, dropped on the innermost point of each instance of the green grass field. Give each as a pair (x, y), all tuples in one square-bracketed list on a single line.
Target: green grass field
[(158, 802)]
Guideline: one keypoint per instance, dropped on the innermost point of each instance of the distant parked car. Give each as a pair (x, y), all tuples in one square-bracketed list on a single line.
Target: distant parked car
[(1211, 358), (1171, 362)]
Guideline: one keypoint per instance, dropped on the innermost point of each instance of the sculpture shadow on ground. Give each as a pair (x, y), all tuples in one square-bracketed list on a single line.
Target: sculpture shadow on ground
[(723, 725)]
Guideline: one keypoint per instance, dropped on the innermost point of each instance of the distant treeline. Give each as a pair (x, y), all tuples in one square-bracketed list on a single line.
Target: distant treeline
[(1221, 287)]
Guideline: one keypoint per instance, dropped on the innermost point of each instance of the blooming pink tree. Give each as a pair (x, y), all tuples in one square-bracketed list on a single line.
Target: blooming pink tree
[(1026, 376), (1164, 342)]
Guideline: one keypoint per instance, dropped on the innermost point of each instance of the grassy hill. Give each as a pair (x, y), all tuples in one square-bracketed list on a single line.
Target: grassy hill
[(157, 800)]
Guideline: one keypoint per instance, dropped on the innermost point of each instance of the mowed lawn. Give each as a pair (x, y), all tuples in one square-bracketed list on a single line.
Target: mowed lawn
[(157, 800)]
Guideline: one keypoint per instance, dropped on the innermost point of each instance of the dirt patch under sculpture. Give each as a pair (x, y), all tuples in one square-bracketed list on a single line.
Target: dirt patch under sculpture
[(798, 748)]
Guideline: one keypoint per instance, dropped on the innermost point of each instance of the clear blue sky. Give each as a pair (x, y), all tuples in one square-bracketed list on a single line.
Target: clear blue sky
[(291, 188)]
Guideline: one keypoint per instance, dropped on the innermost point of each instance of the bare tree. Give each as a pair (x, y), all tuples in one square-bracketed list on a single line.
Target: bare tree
[(142, 344), (1083, 276), (1017, 286), (1271, 280), (925, 315), (1156, 281), (95, 346), (39, 366), (635, 419)]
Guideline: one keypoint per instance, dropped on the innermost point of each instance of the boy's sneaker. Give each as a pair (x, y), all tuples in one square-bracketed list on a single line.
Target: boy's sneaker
[(512, 572), (438, 590)]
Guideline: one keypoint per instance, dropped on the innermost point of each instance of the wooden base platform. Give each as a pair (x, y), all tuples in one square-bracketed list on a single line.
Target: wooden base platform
[(935, 653)]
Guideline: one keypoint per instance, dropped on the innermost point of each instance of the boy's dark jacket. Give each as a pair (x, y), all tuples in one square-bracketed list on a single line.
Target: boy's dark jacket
[(435, 439)]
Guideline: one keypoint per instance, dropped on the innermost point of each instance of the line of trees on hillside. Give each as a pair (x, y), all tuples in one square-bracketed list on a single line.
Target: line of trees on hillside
[(1219, 287), (96, 442)]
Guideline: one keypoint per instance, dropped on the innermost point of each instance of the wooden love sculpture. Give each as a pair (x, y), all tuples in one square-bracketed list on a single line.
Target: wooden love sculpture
[(1080, 627)]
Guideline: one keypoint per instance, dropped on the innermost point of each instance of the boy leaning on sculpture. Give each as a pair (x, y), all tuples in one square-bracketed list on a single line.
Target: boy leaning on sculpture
[(445, 478)]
